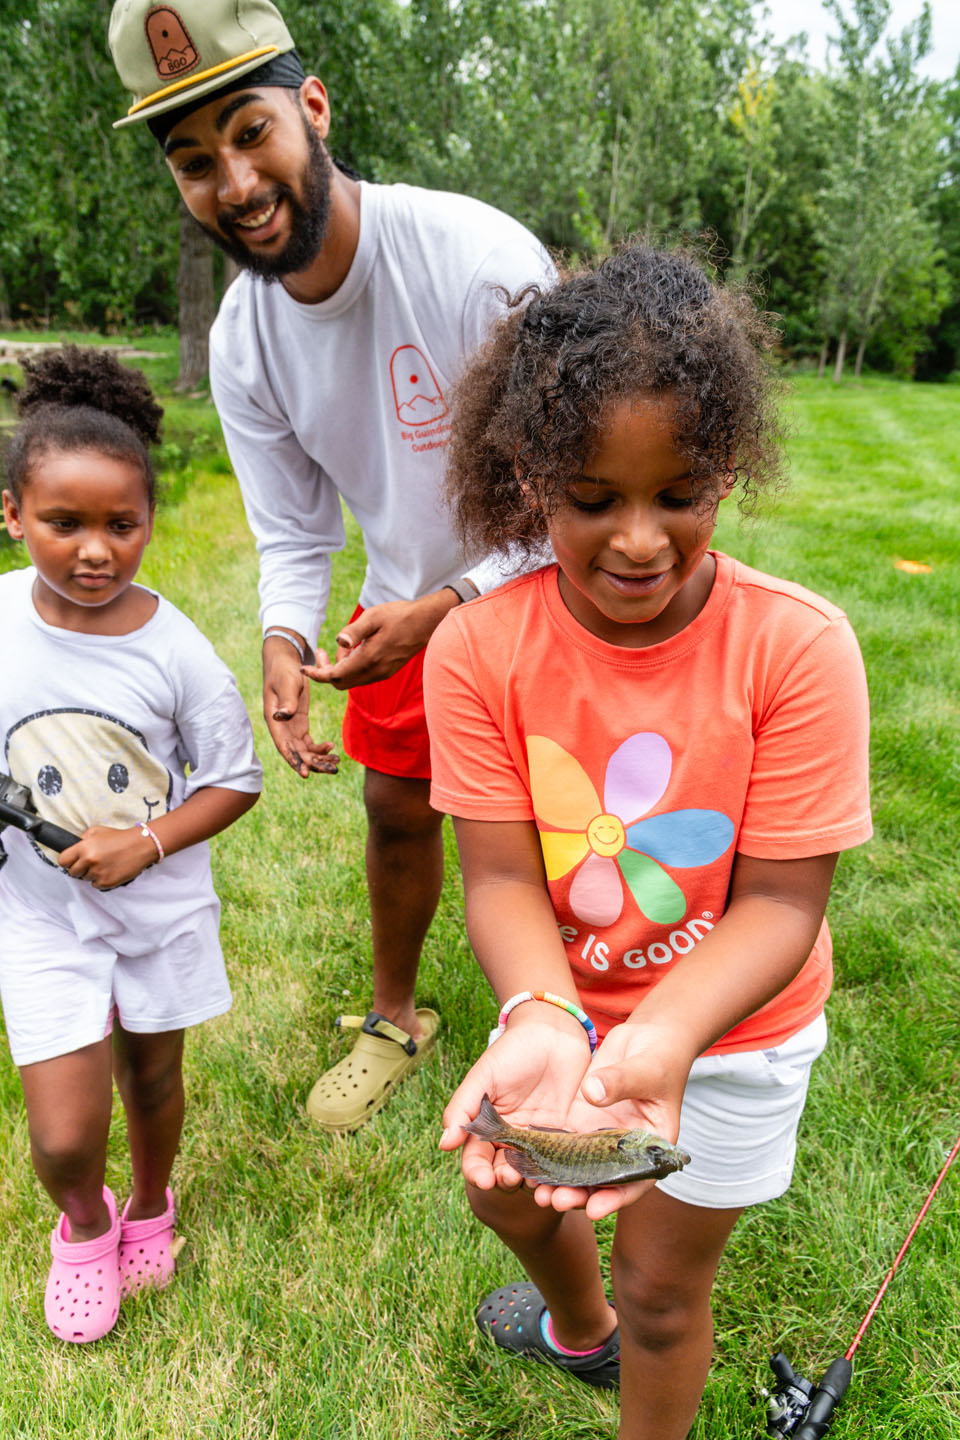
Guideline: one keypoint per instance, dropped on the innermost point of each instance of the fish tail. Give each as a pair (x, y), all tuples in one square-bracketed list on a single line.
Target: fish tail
[(488, 1124)]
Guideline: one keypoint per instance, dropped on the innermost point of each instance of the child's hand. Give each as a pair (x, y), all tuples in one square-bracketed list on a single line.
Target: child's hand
[(107, 857), (531, 1075), (635, 1080)]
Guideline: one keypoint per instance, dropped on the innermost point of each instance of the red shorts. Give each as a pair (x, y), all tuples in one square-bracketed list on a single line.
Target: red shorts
[(385, 726)]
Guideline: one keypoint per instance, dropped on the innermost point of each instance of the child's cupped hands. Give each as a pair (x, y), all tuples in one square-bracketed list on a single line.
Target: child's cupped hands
[(635, 1081), (537, 1075), (531, 1075)]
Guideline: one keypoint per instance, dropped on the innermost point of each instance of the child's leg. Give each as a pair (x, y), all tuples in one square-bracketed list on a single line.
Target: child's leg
[(559, 1253), (149, 1076), (69, 1101), (665, 1256)]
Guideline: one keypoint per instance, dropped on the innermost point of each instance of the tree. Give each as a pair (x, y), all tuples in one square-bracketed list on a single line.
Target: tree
[(875, 208)]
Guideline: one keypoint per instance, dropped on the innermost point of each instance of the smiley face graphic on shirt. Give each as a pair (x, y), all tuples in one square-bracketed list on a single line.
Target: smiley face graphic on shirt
[(85, 768)]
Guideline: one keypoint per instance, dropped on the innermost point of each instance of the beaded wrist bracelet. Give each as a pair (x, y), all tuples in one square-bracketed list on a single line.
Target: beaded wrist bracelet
[(147, 833), (550, 999)]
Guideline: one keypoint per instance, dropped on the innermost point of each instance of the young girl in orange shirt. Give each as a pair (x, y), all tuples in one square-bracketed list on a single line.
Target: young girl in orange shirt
[(653, 755)]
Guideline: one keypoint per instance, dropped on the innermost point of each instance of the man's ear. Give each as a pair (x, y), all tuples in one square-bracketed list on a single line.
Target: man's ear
[(316, 105)]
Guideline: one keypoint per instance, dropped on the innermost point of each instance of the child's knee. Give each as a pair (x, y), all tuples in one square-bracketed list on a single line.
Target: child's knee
[(653, 1311), (66, 1145), (512, 1214), (152, 1090), (149, 1081)]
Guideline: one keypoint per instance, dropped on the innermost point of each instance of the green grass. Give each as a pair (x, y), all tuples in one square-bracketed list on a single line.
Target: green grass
[(328, 1283)]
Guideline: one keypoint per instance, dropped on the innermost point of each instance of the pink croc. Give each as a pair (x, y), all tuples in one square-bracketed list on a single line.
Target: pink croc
[(83, 1288), (147, 1256)]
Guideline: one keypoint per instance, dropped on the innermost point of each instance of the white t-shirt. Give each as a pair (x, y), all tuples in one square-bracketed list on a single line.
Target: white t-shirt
[(101, 730), (349, 397)]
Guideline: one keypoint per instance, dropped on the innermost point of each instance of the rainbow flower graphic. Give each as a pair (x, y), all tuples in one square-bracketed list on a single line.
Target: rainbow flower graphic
[(610, 839)]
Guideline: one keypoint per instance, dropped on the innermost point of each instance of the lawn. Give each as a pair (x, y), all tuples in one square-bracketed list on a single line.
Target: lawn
[(328, 1283)]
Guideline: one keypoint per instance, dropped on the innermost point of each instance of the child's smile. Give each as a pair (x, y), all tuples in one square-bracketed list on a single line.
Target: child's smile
[(86, 519), (632, 536)]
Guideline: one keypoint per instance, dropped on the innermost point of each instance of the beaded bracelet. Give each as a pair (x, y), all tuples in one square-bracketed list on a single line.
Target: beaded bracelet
[(551, 999), (147, 833)]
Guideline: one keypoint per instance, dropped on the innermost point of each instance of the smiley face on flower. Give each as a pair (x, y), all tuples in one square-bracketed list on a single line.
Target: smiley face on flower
[(614, 841)]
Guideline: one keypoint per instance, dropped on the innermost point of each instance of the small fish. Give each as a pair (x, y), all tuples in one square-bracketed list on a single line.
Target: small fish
[(564, 1157)]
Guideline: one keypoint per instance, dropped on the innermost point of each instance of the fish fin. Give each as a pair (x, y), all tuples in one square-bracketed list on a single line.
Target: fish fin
[(526, 1166), (549, 1129), (488, 1124)]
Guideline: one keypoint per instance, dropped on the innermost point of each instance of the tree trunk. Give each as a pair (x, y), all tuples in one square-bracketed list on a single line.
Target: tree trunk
[(858, 366), (230, 272), (824, 352), (841, 354), (195, 299)]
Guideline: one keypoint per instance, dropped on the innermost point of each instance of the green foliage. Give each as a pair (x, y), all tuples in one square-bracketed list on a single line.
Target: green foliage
[(90, 230)]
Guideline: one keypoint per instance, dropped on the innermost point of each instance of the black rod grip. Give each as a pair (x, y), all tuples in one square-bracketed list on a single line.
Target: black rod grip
[(825, 1400), (43, 831)]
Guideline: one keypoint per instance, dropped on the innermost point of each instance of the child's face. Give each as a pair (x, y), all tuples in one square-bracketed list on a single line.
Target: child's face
[(86, 519), (631, 537)]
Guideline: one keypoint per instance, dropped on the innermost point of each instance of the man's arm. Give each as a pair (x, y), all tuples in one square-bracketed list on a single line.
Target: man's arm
[(294, 512)]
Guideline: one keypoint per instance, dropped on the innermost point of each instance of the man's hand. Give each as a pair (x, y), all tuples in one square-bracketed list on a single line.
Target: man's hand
[(286, 709), (376, 644)]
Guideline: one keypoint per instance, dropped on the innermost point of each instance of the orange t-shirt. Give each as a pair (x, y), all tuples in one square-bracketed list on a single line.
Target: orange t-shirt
[(647, 770)]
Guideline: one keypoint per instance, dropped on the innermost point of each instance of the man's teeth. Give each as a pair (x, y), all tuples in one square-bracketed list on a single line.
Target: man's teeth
[(253, 222)]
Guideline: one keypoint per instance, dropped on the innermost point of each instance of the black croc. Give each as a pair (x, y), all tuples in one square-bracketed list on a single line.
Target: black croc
[(511, 1317)]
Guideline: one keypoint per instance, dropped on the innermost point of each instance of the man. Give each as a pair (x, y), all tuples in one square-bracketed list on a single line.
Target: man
[(331, 361)]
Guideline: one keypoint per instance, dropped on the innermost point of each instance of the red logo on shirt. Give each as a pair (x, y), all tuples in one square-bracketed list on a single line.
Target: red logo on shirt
[(416, 394)]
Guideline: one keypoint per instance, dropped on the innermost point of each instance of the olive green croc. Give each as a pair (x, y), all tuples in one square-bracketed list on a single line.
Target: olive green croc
[(358, 1085)]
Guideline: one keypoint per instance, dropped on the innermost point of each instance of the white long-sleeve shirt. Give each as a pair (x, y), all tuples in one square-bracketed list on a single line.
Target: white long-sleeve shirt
[(350, 397)]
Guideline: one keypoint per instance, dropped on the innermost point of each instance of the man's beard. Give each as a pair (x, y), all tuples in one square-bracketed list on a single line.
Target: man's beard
[(309, 218)]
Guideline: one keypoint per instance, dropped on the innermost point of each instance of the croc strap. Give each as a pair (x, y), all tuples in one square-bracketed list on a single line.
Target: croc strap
[(375, 1024)]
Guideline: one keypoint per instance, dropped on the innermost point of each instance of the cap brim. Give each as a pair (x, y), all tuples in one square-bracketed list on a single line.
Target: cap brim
[(187, 92)]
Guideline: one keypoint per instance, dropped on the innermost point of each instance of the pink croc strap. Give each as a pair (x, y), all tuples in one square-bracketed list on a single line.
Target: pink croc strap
[(153, 1225)]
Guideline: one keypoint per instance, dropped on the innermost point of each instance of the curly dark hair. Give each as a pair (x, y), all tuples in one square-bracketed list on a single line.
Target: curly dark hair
[(83, 399), (532, 402)]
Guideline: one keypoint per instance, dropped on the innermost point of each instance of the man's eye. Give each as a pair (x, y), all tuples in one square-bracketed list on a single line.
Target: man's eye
[(251, 133)]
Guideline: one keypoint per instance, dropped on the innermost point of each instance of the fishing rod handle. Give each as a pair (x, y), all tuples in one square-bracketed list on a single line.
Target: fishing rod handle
[(46, 833), (825, 1400), (43, 831)]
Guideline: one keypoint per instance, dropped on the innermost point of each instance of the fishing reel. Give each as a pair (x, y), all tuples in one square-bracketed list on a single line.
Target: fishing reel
[(797, 1407), (17, 809)]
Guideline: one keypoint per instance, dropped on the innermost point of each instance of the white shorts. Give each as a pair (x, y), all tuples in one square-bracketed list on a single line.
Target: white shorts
[(739, 1122), (60, 993)]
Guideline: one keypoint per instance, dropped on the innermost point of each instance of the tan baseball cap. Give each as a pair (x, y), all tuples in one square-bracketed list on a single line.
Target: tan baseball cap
[(172, 55)]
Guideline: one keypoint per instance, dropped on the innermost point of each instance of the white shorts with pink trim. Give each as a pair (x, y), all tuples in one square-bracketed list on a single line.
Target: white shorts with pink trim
[(61, 993)]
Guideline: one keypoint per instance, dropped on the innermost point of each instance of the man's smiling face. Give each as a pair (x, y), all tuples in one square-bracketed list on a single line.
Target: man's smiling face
[(254, 173)]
